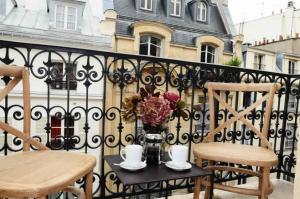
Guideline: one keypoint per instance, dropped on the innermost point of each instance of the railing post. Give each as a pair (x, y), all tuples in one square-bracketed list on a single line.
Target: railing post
[(284, 121)]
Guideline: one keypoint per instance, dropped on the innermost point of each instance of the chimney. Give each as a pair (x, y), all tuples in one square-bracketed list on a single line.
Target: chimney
[(255, 43), (291, 4), (280, 11), (280, 38)]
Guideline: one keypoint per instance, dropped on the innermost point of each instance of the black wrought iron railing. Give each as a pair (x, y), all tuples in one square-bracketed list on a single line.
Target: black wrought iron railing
[(104, 79)]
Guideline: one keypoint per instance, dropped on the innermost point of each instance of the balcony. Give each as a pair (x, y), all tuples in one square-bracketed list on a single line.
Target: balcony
[(104, 79)]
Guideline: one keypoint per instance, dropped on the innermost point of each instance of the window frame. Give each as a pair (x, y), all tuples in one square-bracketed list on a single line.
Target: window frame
[(65, 21), (60, 84), (149, 44), (292, 66), (175, 3), (289, 143), (62, 129), (206, 53), (199, 12), (146, 3), (259, 61)]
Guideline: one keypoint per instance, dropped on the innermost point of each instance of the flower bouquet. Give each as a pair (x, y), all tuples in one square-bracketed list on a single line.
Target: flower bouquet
[(154, 110)]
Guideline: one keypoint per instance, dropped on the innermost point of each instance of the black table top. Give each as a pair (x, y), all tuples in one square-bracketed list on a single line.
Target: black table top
[(152, 173)]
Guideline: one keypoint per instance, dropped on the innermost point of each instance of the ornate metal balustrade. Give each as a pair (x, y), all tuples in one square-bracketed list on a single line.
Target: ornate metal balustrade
[(104, 79)]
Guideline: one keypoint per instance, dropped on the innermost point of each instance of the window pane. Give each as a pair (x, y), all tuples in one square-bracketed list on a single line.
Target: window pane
[(60, 16), (71, 19), (209, 58), (172, 11), (178, 9), (203, 17), (149, 2), (72, 77), (155, 41), (211, 49), (203, 54), (143, 3), (144, 39), (144, 49), (154, 50), (55, 127)]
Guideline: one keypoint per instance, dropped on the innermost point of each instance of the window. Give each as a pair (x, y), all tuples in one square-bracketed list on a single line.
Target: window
[(146, 4), (208, 54), (203, 126), (56, 131), (292, 102), (292, 67), (289, 140), (259, 62), (150, 45), (59, 79), (65, 17), (202, 12), (247, 99), (175, 8)]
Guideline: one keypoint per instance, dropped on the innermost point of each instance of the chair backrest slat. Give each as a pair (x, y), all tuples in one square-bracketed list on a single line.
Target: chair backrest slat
[(268, 90), (19, 74)]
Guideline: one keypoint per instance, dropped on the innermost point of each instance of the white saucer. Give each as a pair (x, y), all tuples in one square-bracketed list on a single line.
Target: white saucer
[(131, 167), (177, 167)]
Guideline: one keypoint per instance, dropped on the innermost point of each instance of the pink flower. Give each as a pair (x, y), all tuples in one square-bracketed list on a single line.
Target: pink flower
[(154, 110), (173, 98)]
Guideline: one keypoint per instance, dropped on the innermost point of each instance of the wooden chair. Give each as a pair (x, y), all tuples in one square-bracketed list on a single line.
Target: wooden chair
[(36, 174), (262, 157)]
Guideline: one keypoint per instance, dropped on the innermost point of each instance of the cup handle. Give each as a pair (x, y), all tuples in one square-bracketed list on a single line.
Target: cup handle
[(122, 154), (170, 154)]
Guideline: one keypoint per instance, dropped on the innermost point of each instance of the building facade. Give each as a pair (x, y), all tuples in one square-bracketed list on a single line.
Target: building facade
[(284, 24), (200, 31)]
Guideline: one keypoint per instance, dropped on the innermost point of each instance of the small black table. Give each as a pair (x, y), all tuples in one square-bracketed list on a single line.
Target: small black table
[(152, 173)]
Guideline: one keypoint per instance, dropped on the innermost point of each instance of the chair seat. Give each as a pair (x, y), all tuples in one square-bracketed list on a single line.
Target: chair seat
[(33, 173), (236, 153)]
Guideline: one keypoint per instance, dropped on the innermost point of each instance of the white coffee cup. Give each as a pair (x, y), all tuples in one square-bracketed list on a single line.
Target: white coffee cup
[(133, 154), (178, 154)]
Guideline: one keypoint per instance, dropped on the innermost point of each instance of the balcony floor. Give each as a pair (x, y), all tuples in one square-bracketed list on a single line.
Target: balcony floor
[(282, 189)]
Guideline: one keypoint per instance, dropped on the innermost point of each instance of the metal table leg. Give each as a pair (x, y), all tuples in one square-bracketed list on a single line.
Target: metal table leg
[(211, 194), (167, 189), (124, 192)]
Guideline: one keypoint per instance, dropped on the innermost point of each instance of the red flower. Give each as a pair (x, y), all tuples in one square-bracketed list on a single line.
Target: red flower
[(154, 111), (173, 98)]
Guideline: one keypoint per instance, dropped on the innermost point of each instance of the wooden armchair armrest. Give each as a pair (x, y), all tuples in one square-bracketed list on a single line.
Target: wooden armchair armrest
[(25, 138)]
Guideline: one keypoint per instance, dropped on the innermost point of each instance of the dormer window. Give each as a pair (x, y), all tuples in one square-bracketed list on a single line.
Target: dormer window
[(175, 8), (202, 12), (65, 17), (146, 4), (150, 45)]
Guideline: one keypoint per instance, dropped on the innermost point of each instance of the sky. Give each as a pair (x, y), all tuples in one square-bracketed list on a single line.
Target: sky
[(244, 10), (241, 10)]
